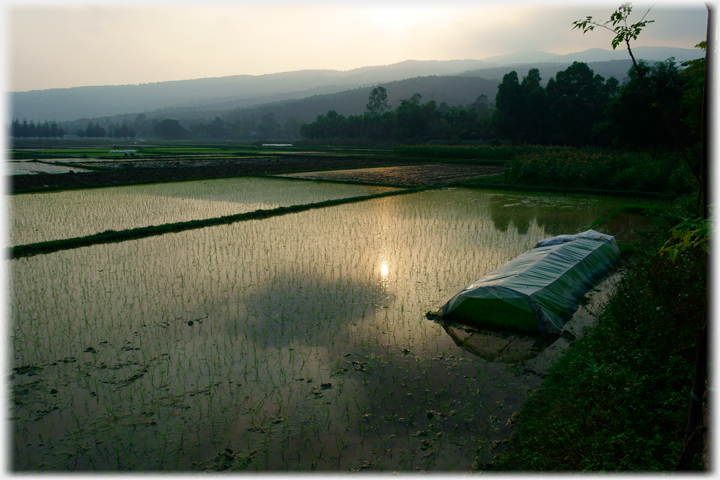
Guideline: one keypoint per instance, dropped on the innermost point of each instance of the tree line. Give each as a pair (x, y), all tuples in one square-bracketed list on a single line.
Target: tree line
[(246, 128), (579, 108), (575, 108), (46, 129), (25, 129), (410, 120)]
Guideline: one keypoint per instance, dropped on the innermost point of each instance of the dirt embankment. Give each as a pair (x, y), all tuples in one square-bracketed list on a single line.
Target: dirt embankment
[(346, 167), (407, 175)]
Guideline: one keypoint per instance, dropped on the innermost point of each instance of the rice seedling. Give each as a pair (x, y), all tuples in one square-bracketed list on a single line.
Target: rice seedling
[(50, 216), (301, 337)]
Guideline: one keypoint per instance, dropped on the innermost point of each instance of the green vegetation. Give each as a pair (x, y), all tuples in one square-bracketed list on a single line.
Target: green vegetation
[(575, 168), (569, 168), (45, 129), (411, 120), (563, 113), (618, 400)]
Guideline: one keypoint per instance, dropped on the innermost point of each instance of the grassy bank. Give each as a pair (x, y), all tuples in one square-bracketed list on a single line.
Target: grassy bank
[(619, 399)]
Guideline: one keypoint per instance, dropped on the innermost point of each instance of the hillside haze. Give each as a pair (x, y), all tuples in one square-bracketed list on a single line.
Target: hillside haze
[(237, 91), (222, 94)]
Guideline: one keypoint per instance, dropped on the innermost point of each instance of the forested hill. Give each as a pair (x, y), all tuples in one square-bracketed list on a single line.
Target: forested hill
[(453, 90), (240, 91), (64, 104), (449, 89)]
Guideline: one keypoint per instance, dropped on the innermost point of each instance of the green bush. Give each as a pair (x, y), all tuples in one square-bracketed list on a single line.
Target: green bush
[(569, 167)]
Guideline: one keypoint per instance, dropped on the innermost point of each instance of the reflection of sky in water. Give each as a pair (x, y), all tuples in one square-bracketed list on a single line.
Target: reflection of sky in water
[(331, 296)]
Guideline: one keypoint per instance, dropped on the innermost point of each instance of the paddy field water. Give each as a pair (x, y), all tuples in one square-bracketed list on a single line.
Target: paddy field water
[(293, 343)]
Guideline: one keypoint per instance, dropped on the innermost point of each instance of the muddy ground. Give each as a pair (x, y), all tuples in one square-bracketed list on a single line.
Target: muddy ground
[(406, 175), (133, 172)]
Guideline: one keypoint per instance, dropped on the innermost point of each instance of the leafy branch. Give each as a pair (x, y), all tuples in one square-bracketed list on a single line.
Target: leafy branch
[(617, 24), (686, 235)]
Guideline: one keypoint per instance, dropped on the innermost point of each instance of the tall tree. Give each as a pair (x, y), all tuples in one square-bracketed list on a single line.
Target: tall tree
[(576, 101), (520, 108), (377, 101), (413, 119), (634, 114), (532, 107), (507, 113)]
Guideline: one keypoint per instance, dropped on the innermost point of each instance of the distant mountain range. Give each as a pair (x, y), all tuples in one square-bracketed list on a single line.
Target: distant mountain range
[(207, 96), (610, 68), (597, 55), (453, 90)]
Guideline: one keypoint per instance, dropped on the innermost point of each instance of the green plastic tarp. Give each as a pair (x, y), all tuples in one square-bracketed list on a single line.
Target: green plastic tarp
[(539, 290)]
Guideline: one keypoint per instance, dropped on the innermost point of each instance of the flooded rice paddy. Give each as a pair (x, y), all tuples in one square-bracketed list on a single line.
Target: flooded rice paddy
[(42, 217), (293, 343)]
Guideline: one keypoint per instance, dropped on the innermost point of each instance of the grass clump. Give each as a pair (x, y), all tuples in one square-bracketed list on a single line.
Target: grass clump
[(619, 399)]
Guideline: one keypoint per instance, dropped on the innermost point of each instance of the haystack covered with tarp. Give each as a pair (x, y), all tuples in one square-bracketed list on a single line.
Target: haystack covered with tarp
[(539, 290)]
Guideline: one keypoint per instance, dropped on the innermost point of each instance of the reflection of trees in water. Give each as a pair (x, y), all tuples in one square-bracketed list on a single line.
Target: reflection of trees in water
[(521, 217), (555, 219)]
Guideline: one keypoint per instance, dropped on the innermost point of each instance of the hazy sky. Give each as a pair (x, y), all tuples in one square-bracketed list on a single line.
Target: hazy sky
[(59, 44)]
